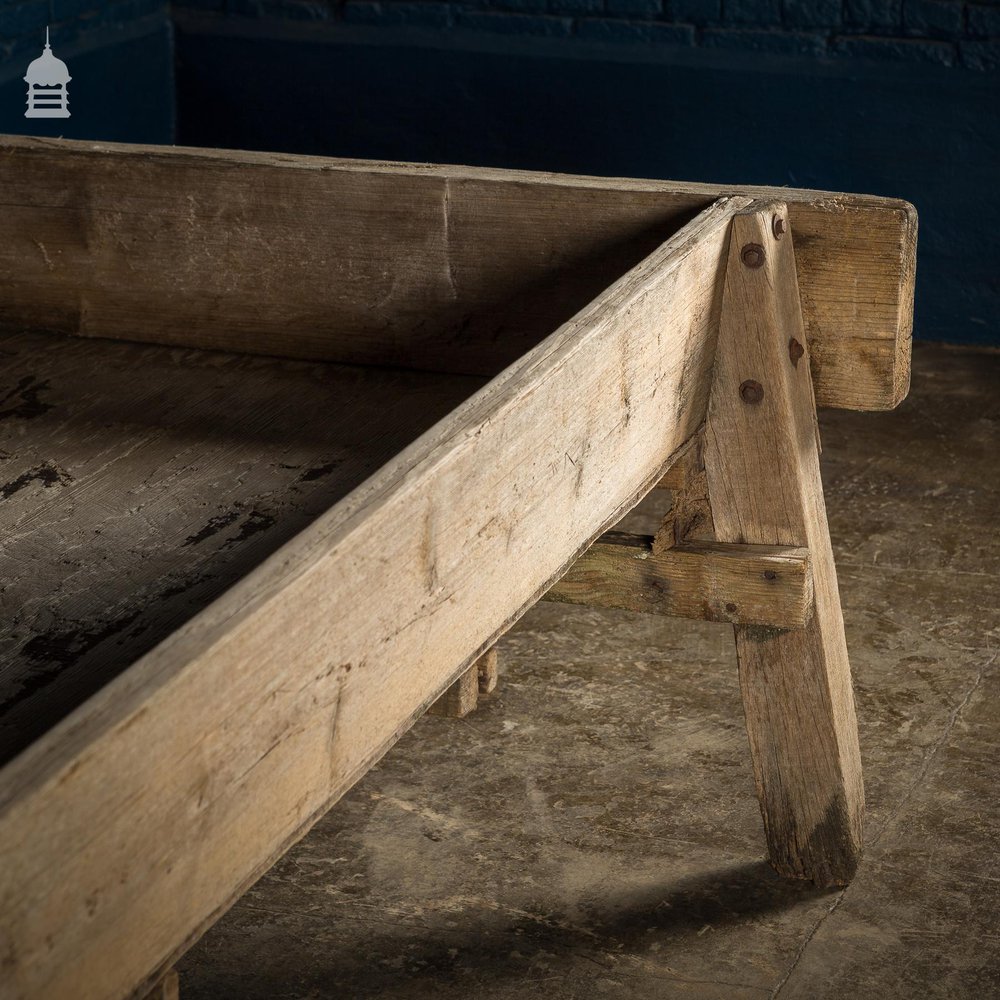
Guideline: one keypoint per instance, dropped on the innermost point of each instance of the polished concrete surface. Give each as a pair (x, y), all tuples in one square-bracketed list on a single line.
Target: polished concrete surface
[(592, 830)]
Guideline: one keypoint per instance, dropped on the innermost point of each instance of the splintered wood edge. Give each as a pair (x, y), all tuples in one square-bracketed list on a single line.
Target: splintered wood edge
[(267, 706), (856, 255)]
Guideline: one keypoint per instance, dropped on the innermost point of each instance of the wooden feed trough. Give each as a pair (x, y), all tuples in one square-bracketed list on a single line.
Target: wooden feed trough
[(289, 442)]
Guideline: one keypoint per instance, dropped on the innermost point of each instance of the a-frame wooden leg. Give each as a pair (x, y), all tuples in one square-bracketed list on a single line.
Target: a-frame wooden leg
[(762, 465), (462, 697)]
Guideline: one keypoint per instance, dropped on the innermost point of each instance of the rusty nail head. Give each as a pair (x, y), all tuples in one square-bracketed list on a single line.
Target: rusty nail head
[(751, 391), (752, 255), (778, 227), (769, 574), (731, 608), (795, 351)]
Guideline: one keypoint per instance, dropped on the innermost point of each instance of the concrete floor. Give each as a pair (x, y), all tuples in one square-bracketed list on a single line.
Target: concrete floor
[(592, 830)]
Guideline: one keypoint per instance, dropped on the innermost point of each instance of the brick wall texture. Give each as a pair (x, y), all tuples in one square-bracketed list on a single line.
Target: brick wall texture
[(23, 24), (946, 32)]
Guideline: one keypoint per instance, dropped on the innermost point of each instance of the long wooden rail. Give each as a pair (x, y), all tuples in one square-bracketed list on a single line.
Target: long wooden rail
[(458, 269)]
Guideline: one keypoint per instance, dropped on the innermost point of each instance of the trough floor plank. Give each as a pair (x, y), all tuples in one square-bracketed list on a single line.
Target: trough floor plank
[(138, 482)]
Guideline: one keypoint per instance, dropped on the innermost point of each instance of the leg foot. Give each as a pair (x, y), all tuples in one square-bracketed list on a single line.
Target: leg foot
[(487, 667), (463, 696)]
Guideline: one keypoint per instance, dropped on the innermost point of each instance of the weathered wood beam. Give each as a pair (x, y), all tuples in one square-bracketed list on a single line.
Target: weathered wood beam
[(449, 268), (131, 826), (744, 584), (689, 518), (762, 464)]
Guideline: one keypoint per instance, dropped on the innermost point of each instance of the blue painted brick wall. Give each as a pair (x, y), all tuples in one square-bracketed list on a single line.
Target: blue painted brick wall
[(943, 32), (120, 55), (22, 25)]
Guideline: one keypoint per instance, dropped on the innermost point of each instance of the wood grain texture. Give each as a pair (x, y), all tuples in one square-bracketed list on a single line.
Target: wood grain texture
[(689, 463), (762, 464), (744, 584), (689, 517), (138, 482), (449, 268), (135, 822)]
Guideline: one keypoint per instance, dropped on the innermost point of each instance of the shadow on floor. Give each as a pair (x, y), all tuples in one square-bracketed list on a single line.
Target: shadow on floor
[(490, 950)]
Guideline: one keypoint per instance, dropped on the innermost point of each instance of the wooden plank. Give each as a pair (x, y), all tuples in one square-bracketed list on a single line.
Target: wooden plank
[(462, 696), (132, 825), (450, 268), (743, 584), (764, 484)]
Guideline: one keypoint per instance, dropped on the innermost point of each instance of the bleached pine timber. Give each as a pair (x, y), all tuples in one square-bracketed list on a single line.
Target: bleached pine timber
[(133, 824), (689, 518), (688, 464), (455, 269), (134, 496), (762, 464)]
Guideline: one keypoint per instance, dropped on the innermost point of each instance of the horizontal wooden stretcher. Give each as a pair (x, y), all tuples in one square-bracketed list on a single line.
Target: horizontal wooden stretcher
[(287, 443)]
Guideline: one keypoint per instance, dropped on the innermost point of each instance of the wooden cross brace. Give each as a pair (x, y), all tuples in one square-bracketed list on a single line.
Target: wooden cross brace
[(746, 541)]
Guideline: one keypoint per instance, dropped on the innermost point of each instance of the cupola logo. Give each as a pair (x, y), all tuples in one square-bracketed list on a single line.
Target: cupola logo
[(46, 79)]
